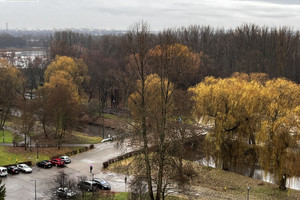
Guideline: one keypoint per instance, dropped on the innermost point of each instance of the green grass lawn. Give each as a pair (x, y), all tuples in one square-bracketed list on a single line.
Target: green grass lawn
[(82, 138), (8, 136), (11, 155), (121, 196)]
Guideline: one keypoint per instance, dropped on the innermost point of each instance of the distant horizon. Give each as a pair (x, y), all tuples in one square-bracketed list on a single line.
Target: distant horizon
[(124, 30)]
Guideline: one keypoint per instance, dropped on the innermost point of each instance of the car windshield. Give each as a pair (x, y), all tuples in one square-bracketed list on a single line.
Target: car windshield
[(103, 182), (25, 166)]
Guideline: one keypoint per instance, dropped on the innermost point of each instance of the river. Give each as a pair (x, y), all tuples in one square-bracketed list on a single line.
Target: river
[(99, 131)]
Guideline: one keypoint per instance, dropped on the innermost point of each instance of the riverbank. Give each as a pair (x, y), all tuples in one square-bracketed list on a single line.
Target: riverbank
[(213, 184)]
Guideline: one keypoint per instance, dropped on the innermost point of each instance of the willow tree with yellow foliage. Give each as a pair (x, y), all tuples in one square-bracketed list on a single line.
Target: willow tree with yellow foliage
[(250, 114), (279, 133), (225, 104), (59, 98), (76, 68)]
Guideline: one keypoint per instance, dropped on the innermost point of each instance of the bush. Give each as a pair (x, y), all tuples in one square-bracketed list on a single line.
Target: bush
[(105, 165)]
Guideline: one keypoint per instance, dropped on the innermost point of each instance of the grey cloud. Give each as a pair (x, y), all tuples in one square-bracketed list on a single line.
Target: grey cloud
[(119, 14)]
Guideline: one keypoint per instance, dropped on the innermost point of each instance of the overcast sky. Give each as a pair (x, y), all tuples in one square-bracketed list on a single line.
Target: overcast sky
[(159, 14)]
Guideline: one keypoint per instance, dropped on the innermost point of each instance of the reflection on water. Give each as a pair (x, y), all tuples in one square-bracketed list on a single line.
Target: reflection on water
[(99, 131), (259, 174), (30, 53), (21, 57)]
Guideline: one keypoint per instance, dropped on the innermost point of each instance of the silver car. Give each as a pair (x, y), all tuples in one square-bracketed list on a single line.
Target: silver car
[(66, 159), (24, 168)]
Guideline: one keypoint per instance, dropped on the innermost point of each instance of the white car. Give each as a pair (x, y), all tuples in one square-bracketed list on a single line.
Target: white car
[(107, 139), (66, 159), (24, 168), (3, 171)]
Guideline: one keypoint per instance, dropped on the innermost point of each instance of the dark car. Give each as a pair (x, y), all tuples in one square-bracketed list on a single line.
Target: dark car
[(13, 170), (44, 164), (65, 193), (66, 159), (87, 185), (57, 162), (102, 184)]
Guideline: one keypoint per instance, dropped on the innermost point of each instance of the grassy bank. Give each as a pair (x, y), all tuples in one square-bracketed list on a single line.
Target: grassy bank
[(212, 184), (81, 138), (8, 136), (11, 155)]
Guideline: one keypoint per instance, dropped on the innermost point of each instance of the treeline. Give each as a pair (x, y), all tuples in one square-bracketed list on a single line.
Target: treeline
[(24, 41), (217, 52), (7, 40)]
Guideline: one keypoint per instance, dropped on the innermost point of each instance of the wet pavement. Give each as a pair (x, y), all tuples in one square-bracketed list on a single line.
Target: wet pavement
[(22, 186)]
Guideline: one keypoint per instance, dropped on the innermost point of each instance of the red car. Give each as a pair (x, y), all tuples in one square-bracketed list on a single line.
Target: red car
[(57, 162)]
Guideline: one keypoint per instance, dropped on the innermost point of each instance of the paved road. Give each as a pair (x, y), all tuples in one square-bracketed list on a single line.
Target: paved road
[(21, 186)]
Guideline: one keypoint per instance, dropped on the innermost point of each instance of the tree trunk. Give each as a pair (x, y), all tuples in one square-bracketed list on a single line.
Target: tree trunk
[(59, 141), (44, 129), (25, 141)]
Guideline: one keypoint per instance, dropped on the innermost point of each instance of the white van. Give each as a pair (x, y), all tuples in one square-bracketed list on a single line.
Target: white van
[(3, 171)]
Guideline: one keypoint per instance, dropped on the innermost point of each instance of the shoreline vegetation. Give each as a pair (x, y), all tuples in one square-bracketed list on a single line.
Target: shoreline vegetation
[(213, 184)]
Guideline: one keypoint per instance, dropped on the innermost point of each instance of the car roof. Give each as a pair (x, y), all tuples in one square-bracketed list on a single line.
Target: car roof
[(2, 167), (98, 179), (88, 181)]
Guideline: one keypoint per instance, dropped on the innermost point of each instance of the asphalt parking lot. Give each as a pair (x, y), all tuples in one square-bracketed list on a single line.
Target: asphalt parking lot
[(22, 186)]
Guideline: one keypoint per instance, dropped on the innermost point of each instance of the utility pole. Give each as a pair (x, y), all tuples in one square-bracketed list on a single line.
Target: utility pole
[(37, 150)]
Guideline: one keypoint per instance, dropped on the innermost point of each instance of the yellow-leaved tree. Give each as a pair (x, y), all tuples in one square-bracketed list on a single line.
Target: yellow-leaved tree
[(279, 133), (251, 114), (59, 98), (76, 68), (62, 103)]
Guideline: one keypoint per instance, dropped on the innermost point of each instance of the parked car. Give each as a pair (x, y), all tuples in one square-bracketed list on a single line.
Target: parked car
[(24, 168), (57, 162), (107, 139), (65, 193), (44, 164), (66, 159), (3, 171), (102, 184), (13, 169), (87, 185)]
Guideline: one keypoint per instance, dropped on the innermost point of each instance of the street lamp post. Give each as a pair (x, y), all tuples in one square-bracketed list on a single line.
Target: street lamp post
[(37, 150), (248, 188), (125, 180)]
